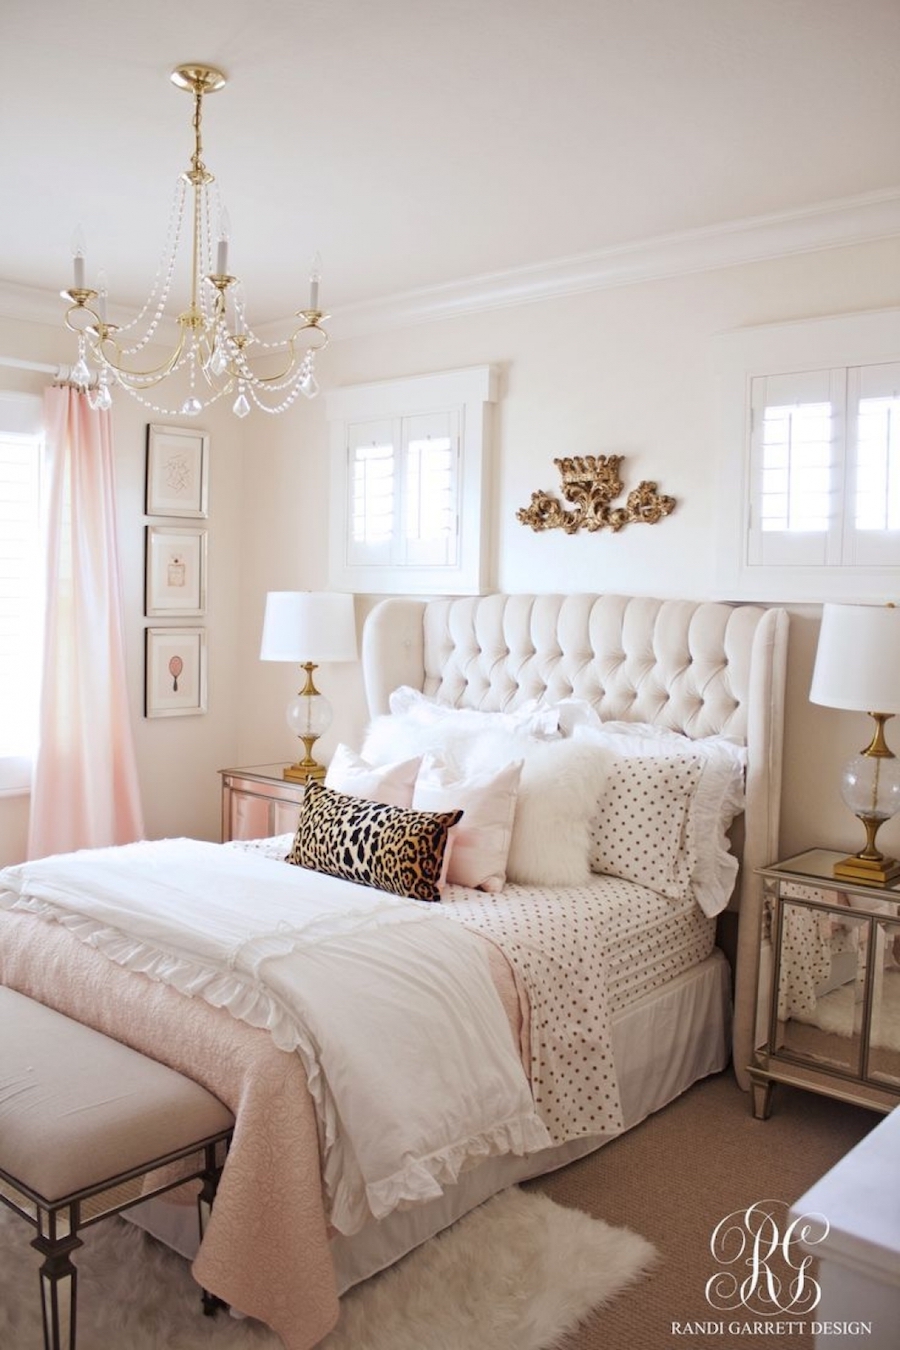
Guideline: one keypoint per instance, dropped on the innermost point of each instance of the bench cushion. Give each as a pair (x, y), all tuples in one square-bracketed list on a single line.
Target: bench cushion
[(78, 1108)]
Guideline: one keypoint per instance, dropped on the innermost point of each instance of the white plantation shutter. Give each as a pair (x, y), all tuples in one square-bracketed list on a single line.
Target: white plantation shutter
[(873, 489), (20, 606), (372, 479), (797, 469), (431, 459), (825, 468), (409, 469)]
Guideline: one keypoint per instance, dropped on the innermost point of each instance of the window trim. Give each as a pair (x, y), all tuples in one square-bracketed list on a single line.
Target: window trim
[(844, 340), (20, 415), (469, 392)]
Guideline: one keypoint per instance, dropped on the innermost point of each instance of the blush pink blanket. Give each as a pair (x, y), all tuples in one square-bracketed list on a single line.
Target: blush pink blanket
[(266, 1250)]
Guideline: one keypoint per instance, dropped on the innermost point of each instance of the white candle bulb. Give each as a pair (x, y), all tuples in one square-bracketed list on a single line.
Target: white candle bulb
[(222, 250), (78, 251), (102, 292), (314, 278)]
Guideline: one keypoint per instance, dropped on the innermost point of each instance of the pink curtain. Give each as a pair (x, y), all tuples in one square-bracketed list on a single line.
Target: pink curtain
[(85, 792)]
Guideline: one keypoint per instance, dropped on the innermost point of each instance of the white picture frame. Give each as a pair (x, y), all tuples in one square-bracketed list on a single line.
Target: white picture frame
[(175, 572), (175, 681), (177, 482)]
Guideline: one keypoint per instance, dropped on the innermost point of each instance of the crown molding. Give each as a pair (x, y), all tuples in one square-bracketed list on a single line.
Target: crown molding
[(30, 304), (834, 224)]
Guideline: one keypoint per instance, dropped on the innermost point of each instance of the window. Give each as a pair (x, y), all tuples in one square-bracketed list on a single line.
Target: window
[(409, 465), (818, 512), (20, 587)]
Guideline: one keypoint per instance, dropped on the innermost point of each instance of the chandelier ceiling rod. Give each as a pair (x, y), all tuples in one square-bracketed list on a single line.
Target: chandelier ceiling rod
[(216, 352)]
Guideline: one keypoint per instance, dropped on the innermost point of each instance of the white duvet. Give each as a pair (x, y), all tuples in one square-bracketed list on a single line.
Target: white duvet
[(391, 1006)]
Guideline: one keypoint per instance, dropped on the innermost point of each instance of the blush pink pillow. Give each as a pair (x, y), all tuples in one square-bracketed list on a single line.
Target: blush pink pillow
[(488, 801), (391, 784)]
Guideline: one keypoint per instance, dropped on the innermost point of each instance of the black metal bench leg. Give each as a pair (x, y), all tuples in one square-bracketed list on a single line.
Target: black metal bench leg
[(59, 1287), (210, 1184)]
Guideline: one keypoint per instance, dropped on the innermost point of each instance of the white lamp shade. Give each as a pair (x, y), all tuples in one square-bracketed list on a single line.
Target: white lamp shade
[(858, 659), (308, 626)]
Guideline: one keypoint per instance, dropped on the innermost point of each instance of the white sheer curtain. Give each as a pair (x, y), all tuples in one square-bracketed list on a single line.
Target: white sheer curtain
[(85, 791)]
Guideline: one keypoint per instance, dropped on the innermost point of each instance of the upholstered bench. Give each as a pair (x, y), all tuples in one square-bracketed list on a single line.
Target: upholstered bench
[(83, 1121)]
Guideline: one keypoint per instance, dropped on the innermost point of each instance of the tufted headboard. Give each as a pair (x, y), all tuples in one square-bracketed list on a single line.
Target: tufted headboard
[(699, 667)]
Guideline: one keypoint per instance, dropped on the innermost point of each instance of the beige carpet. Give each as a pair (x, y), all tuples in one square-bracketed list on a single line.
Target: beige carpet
[(675, 1176)]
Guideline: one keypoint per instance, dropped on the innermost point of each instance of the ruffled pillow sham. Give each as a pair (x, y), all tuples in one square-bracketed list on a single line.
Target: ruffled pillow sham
[(716, 797)]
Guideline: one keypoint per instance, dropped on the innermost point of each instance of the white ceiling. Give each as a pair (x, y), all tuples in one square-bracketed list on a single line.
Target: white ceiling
[(416, 143)]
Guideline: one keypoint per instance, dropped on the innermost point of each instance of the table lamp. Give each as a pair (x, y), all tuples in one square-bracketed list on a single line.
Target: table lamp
[(308, 627), (858, 668)]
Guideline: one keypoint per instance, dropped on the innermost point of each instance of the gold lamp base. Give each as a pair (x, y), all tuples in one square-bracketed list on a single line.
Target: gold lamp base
[(303, 770), (878, 871)]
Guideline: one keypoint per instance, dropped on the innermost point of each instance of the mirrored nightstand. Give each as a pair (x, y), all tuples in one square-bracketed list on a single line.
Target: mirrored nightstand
[(833, 1000), (259, 802)]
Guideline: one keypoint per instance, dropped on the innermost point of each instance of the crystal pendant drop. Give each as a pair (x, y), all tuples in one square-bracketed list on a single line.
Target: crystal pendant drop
[(309, 385), (241, 406), (218, 362), (80, 374), (191, 406), (104, 398)]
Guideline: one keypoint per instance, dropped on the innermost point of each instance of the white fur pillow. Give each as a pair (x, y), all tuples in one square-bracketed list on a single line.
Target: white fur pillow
[(559, 788), (558, 794)]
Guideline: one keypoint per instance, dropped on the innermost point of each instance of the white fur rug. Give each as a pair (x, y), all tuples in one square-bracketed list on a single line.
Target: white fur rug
[(514, 1275), (840, 1013)]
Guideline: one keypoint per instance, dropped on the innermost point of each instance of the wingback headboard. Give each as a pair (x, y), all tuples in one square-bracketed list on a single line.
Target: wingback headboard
[(699, 667)]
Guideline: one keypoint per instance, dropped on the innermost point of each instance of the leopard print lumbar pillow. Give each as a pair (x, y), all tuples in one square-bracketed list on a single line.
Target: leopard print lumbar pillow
[(373, 844)]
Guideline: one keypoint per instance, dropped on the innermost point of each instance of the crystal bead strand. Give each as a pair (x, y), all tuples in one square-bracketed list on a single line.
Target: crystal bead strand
[(165, 265)]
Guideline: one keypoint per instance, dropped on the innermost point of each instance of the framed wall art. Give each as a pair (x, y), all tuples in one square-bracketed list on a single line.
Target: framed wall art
[(175, 672), (175, 572), (177, 472)]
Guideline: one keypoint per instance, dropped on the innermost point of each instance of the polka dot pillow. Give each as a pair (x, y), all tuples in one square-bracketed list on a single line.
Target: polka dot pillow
[(640, 832)]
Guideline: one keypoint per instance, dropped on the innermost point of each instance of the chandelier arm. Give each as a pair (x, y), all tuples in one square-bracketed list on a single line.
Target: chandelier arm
[(99, 343)]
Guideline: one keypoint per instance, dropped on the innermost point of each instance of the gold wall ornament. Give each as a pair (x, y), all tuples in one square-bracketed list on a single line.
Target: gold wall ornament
[(591, 483)]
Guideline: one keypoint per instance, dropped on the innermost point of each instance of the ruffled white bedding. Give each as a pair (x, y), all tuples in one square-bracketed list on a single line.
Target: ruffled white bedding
[(404, 1103), (580, 953)]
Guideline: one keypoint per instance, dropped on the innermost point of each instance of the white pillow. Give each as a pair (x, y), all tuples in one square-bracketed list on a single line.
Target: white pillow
[(717, 798), (391, 784), (559, 788), (482, 838), (531, 717)]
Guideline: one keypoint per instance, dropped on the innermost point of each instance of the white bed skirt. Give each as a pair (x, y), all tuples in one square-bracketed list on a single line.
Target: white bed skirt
[(662, 1044)]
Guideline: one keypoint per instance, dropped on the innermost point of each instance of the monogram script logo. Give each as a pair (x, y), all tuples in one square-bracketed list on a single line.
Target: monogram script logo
[(767, 1268)]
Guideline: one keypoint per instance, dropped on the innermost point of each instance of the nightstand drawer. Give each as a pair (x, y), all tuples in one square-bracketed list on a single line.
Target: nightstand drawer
[(257, 802)]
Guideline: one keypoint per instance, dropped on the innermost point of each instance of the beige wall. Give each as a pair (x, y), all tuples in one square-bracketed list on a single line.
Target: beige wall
[(625, 370), (618, 371), (178, 756)]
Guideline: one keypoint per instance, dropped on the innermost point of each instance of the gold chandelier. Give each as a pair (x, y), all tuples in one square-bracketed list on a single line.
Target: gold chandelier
[(216, 353)]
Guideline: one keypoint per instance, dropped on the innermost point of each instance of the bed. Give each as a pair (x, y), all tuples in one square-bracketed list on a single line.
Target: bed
[(678, 674)]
